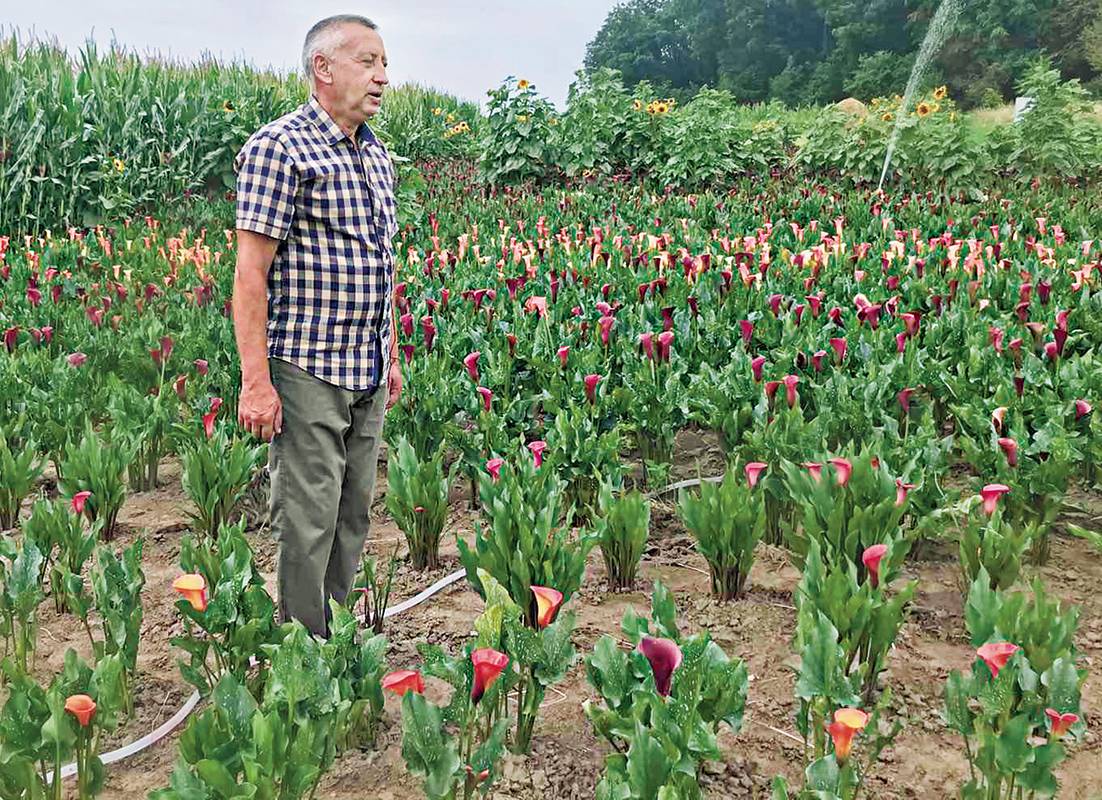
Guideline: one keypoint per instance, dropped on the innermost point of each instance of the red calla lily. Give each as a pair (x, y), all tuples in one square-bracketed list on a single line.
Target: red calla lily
[(82, 707), (488, 666), (753, 472), (871, 559), (848, 722), (403, 681)]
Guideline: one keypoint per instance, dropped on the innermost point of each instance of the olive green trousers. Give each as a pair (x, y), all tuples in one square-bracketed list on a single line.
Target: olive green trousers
[(323, 468)]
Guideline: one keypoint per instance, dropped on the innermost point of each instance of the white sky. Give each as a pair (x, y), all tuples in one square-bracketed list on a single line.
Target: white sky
[(462, 47)]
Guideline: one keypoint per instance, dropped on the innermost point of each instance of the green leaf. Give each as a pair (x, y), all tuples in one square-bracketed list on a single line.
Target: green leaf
[(1012, 749), (427, 750), (648, 768)]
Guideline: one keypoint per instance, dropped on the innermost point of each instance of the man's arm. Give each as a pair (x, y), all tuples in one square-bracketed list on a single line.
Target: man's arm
[(259, 409)]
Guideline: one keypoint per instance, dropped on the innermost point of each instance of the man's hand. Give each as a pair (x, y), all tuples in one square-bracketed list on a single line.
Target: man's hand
[(260, 411), (394, 385)]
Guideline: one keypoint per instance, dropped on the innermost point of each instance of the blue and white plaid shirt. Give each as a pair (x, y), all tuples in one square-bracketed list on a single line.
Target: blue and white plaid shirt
[(330, 200)]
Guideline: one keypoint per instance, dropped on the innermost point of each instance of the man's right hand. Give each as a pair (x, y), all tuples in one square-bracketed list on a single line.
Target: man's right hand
[(259, 410)]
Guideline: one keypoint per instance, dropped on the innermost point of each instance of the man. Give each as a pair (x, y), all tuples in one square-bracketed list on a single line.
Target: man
[(313, 312)]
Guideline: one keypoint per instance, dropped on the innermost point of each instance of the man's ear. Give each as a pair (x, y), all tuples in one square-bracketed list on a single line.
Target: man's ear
[(322, 71)]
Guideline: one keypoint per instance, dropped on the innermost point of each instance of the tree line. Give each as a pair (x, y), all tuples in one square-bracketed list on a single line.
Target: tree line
[(808, 52)]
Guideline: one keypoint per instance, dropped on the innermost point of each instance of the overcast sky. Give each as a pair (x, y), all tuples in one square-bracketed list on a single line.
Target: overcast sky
[(462, 47)]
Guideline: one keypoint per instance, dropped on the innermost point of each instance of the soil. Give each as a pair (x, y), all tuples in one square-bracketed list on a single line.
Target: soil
[(566, 762)]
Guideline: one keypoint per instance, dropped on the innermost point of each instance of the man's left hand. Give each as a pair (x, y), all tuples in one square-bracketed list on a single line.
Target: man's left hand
[(394, 385)]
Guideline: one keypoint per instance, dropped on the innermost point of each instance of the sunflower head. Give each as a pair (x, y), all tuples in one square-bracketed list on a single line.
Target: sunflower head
[(637, 104), (661, 107), (941, 92), (887, 116), (119, 164), (228, 107), (436, 112), (924, 109), (523, 84)]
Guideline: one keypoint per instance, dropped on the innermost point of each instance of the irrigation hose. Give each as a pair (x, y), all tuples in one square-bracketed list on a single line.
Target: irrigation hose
[(189, 705), (169, 725)]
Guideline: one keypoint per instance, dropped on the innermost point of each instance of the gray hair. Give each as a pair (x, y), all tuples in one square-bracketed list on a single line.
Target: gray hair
[(324, 38)]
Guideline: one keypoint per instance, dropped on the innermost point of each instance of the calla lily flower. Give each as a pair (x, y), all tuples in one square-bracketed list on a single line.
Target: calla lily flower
[(753, 472), (488, 666), (486, 395), (996, 654), (991, 494), (790, 382), (646, 344), (843, 469), (82, 707), (547, 602), (848, 722), (470, 361), (1010, 448), (839, 346), (402, 681), (1082, 408), (815, 468), (78, 501), (428, 328), (665, 339), (201, 366), (871, 559), (1060, 722), (998, 418), (493, 466), (901, 490), (563, 353), (537, 447), (537, 306), (756, 365), (591, 382), (904, 398), (193, 588), (665, 657), (747, 329), (76, 359)]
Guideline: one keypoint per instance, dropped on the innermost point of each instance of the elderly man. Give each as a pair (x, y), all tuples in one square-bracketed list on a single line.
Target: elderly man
[(313, 312)]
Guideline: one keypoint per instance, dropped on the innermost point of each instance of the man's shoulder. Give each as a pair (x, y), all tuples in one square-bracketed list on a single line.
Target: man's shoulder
[(285, 130)]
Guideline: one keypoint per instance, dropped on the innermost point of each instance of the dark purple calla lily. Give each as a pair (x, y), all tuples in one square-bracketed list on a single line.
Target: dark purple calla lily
[(665, 657)]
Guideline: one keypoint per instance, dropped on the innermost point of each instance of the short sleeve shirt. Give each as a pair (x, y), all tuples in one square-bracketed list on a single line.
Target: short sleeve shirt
[(329, 199)]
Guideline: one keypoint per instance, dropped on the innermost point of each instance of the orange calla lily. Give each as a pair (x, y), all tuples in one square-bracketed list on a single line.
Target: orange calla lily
[(547, 604), (193, 588), (848, 722), (82, 707)]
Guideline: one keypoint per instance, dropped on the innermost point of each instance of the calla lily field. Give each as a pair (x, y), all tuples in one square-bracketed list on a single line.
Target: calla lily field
[(773, 484)]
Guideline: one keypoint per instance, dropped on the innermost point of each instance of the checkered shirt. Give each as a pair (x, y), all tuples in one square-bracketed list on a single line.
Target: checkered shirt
[(330, 202)]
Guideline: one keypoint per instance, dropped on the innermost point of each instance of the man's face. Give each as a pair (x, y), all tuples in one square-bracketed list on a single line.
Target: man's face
[(358, 70)]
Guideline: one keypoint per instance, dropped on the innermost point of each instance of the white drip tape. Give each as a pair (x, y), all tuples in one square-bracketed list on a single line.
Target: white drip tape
[(189, 705)]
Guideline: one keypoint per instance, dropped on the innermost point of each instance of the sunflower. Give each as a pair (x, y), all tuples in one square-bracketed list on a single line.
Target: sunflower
[(436, 112), (661, 107), (887, 116), (228, 107), (523, 84), (449, 119), (522, 118), (120, 165), (552, 122), (941, 92), (637, 104), (924, 109)]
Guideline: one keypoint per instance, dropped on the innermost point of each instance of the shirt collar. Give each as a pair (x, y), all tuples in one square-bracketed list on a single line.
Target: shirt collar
[(330, 129)]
